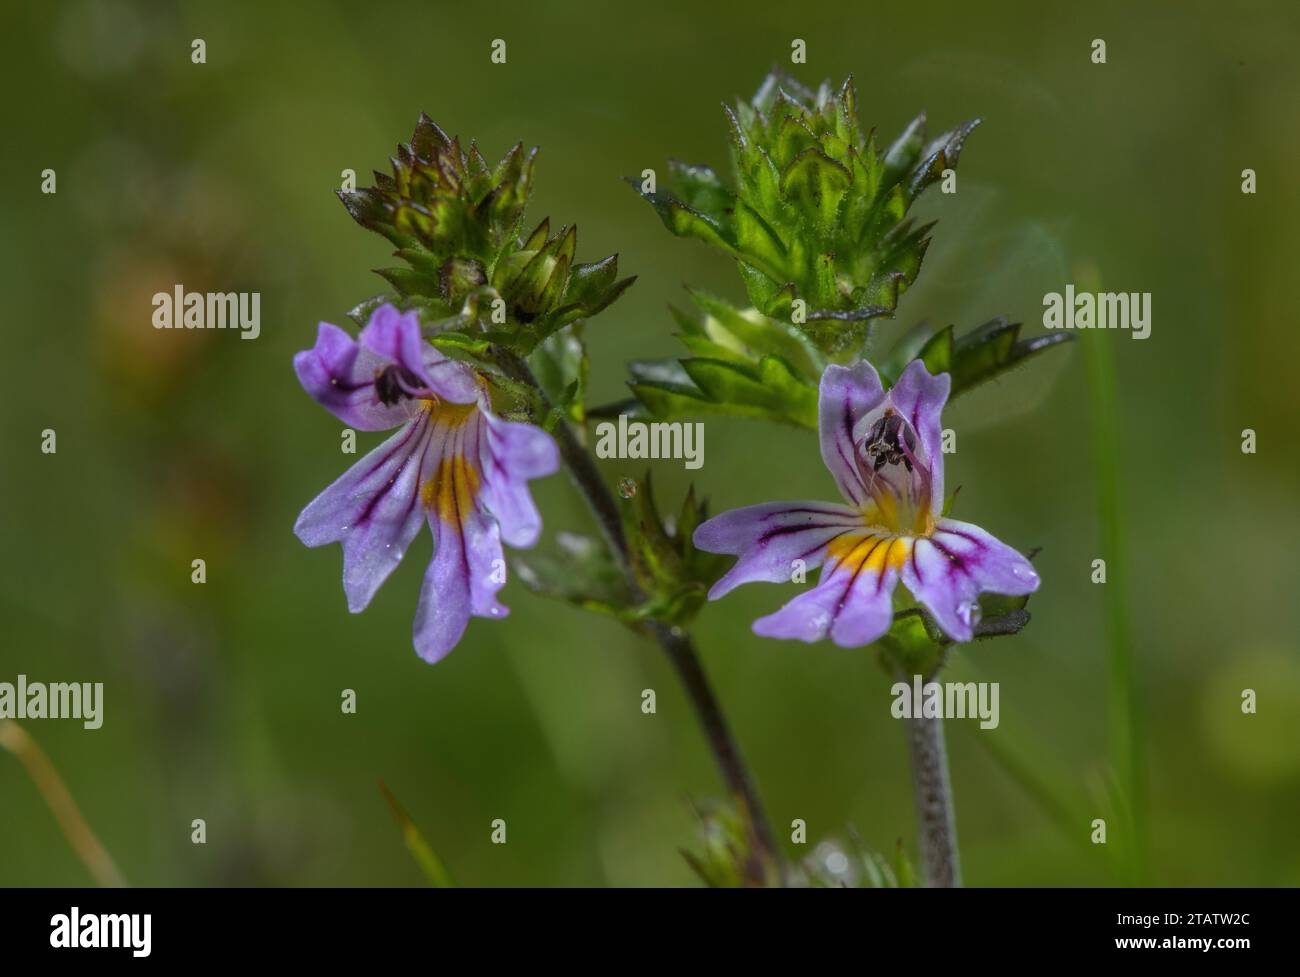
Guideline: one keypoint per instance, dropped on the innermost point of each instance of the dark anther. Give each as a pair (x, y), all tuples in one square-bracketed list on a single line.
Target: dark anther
[(395, 382), (882, 445)]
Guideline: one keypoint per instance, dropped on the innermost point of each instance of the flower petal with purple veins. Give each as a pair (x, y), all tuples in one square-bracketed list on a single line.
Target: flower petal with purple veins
[(852, 604), (374, 510), (948, 571), (846, 395), (452, 463), (920, 398), (467, 569), (768, 538), (885, 452)]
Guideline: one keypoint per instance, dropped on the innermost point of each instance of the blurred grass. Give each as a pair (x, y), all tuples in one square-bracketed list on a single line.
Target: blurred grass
[(1122, 704)]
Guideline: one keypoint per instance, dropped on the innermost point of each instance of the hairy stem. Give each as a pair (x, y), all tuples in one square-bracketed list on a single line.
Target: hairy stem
[(936, 822), (679, 647), (675, 642)]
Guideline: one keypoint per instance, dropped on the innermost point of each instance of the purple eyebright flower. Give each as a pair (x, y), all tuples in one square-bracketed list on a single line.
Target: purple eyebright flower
[(884, 451), (451, 462)]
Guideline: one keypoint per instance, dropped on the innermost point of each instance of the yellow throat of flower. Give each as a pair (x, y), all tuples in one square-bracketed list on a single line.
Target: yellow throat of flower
[(454, 484)]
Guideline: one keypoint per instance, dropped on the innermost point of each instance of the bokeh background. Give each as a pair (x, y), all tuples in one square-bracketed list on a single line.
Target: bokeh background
[(222, 700)]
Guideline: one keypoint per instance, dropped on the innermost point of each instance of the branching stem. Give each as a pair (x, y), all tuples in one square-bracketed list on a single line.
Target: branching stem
[(675, 641)]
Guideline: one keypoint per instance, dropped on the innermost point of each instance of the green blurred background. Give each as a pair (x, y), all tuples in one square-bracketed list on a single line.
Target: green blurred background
[(222, 700)]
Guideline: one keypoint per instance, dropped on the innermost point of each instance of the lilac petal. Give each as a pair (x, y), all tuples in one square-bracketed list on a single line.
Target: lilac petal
[(481, 535), (949, 570), (846, 395), (509, 455), (768, 539), (395, 338), (374, 510), (852, 604), (920, 397), (450, 380), (340, 375), (443, 612), (467, 570)]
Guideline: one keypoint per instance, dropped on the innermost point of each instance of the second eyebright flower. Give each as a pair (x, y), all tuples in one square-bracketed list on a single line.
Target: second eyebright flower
[(883, 449)]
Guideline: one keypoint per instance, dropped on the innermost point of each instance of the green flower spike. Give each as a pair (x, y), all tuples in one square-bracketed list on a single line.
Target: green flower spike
[(817, 213), (456, 222)]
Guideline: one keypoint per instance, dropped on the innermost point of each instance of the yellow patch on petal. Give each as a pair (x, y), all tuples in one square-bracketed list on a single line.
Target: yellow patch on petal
[(886, 514), (892, 553), (453, 415), (452, 489), (872, 552), (850, 548), (454, 485)]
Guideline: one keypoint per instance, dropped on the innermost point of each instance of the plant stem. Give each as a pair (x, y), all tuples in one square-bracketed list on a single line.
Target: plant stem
[(92, 853), (679, 647), (675, 642), (936, 822)]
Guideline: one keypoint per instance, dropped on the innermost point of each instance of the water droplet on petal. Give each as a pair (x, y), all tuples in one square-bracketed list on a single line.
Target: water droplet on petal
[(968, 612), (627, 487), (1021, 572)]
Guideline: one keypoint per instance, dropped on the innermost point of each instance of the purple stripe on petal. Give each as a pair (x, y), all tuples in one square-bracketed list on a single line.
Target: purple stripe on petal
[(467, 570), (949, 571), (373, 509), (846, 395), (851, 604), (867, 610), (768, 539), (996, 566), (920, 398)]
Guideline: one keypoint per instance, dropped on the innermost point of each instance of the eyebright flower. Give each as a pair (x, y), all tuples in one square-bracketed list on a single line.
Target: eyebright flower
[(452, 462), (883, 449)]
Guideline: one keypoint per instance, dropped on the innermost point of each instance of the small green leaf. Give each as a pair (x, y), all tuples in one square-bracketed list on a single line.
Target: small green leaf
[(580, 571), (699, 188), (560, 365), (974, 358)]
